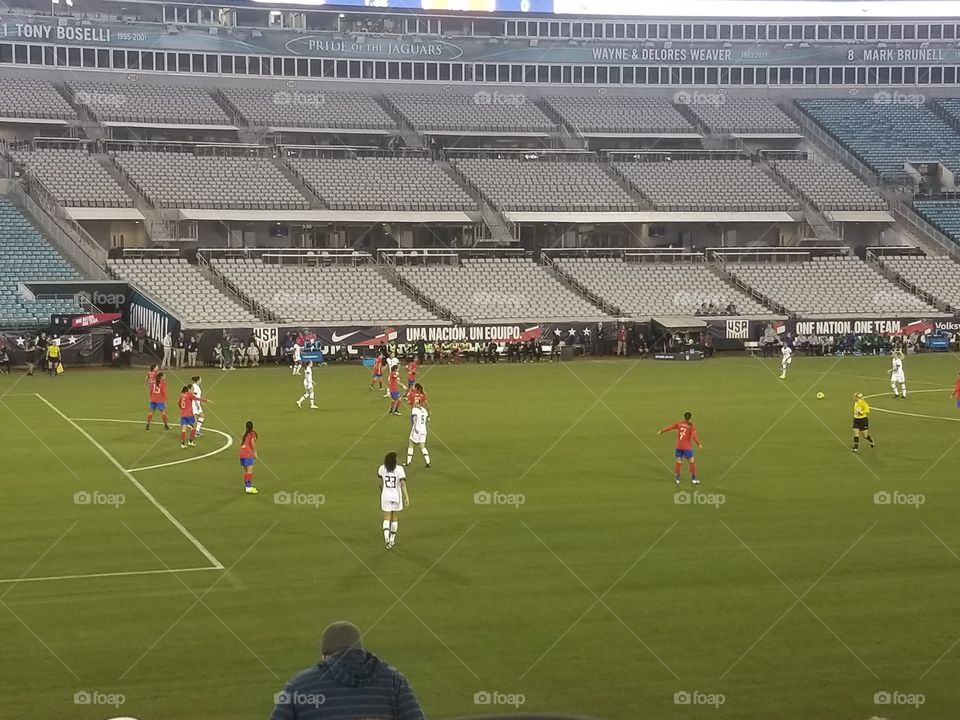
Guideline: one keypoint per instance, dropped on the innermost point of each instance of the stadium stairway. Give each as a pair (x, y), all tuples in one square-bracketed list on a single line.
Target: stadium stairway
[(822, 230), (500, 229), (390, 274), (156, 226), (298, 182), (406, 132), (628, 188), (569, 136), (231, 291)]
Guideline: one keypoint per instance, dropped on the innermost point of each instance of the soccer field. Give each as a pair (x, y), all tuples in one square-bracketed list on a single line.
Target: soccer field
[(786, 587)]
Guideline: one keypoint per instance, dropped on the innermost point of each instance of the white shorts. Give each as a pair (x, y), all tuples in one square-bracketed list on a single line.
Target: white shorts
[(308, 388), (898, 377), (390, 505), (198, 408), (418, 438), (786, 360)]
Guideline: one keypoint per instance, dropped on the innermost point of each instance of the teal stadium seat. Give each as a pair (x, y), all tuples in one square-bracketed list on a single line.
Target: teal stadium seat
[(886, 135), (942, 214), (26, 255)]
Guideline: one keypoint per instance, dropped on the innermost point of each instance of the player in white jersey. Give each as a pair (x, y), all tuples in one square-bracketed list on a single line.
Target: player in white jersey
[(786, 358), (197, 404), (393, 496), (307, 385), (418, 432), (897, 375), (297, 364)]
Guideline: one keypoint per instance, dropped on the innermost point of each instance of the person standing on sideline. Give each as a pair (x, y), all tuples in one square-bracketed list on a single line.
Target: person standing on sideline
[(622, 341), (193, 347), (349, 683), (167, 350), (179, 348)]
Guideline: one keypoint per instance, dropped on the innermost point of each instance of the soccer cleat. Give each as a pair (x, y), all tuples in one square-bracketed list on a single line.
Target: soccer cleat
[(192, 443), (427, 465), (676, 479), (148, 426), (783, 377), (251, 490), (314, 407), (300, 403), (166, 427), (855, 449), (183, 446), (389, 545), (694, 481)]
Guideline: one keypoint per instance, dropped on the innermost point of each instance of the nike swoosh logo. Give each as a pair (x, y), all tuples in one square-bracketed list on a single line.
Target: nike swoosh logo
[(337, 338)]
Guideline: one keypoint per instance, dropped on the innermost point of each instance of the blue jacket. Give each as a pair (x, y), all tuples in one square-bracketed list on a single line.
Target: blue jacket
[(355, 685)]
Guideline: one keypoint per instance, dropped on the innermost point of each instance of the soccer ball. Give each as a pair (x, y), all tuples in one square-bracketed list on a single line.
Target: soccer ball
[(820, 396)]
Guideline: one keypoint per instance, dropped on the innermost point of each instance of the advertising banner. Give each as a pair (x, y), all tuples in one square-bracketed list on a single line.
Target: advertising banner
[(336, 46)]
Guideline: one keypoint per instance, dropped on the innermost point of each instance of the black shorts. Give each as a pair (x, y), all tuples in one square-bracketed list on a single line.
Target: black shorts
[(861, 423)]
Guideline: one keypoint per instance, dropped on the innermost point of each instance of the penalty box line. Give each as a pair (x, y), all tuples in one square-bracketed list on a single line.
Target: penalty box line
[(215, 564)]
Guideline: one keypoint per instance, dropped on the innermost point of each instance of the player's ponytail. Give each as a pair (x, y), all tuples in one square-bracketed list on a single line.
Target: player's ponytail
[(390, 461), (247, 430)]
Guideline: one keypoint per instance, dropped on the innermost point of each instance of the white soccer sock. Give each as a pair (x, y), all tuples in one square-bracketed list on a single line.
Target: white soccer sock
[(386, 531), (426, 454), (893, 386), (409, 454), (903, 389), (199, 424), (393, 530)]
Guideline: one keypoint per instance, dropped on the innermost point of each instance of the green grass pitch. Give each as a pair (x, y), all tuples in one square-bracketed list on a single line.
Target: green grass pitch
[(783, 590)]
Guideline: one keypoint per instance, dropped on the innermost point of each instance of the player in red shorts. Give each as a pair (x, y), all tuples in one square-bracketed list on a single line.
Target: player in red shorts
[(377, 371), (393, 387), (686, 435), (248, 453), (411, 374), (187, 418), (158, 399)]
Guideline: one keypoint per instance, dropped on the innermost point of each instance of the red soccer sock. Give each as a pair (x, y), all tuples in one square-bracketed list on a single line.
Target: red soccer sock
[(693, 469), (183, 436), (248, 479), (676, 467)]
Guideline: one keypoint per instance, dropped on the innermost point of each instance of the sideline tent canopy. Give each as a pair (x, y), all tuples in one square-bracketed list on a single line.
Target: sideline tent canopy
[(666, 325)]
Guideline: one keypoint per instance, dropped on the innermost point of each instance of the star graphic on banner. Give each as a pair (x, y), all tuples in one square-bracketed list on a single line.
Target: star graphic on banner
[(21, 342), (71, 339)]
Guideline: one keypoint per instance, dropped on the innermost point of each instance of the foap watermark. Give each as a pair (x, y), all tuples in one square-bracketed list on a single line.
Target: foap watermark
[(483, 97), (495, 697), (100, 299), (887, 97), (96, 497), (896, 697), (100, 99), (299, 699), (696, 697), (685, 97), (498, 498), (299, 98), (914, 500), (96, 697), (714, 500), (298, 499)]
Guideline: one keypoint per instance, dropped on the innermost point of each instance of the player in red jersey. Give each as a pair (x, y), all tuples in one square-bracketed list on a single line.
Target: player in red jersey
[(187, 419), (248, 453), (393, 387), (417, 395), (686, 435), (377, 371), (151, 378), (411, 374), (956, 390), (158, 399)]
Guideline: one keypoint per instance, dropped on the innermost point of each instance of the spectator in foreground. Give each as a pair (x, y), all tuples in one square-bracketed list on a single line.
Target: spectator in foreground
[(348, 683)]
